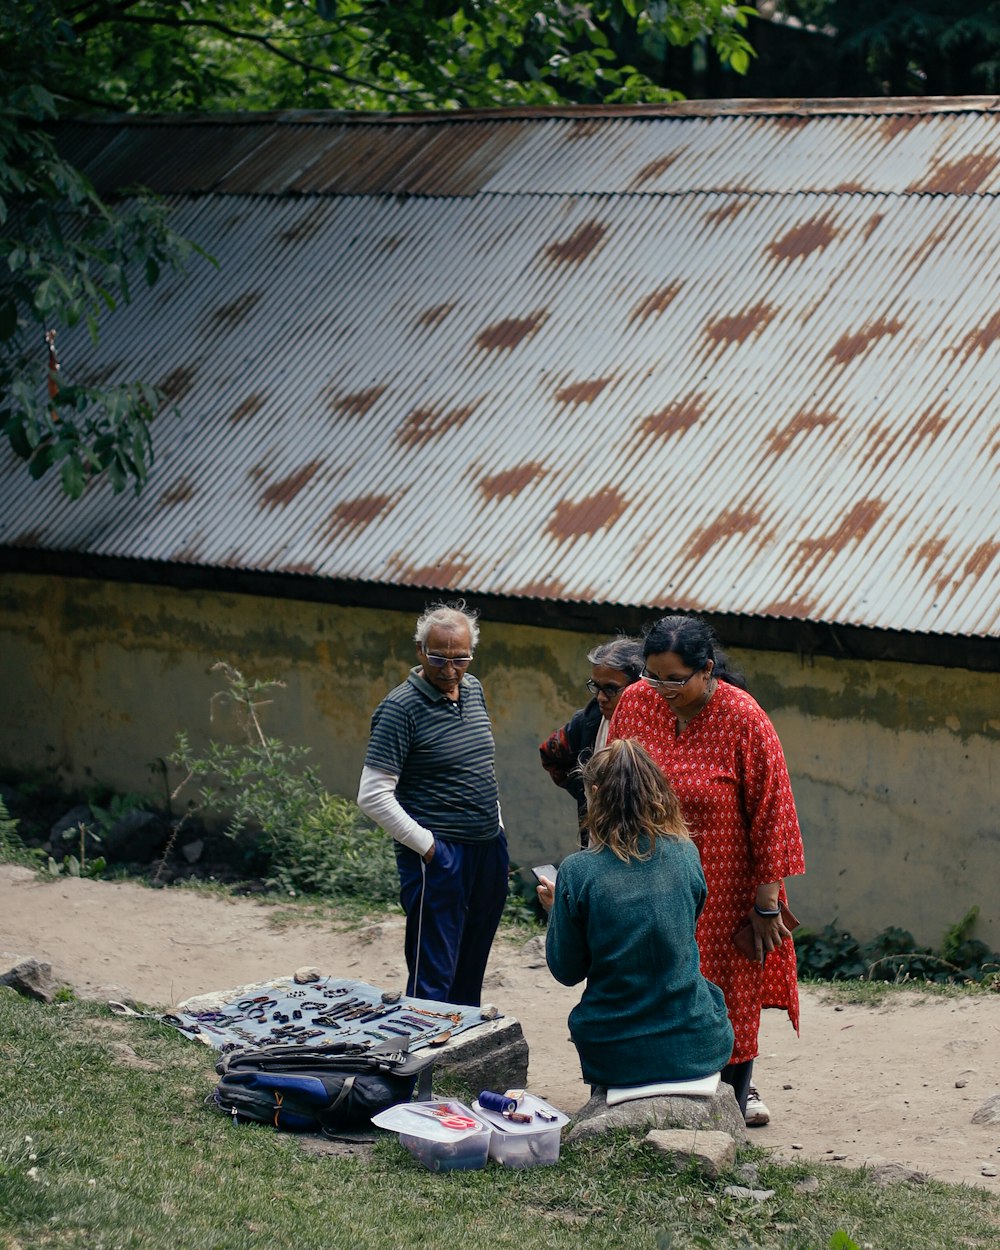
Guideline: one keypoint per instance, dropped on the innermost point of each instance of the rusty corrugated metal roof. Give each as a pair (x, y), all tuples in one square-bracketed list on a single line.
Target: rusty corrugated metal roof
[(745, 361)]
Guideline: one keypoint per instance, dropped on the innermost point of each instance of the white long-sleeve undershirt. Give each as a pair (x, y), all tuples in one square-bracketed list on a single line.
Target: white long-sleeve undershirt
[(377, 799)]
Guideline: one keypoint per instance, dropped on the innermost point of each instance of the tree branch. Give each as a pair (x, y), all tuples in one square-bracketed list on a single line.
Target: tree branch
[(102, 12), (181, 23)]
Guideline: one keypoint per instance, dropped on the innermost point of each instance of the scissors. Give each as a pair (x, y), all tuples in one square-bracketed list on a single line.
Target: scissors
[(445, 1117)]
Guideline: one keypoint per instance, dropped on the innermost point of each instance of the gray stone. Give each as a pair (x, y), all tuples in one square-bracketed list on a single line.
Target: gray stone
[(32, 979), (137, 837), (492, 1056), (741, 1191), (808, 1185), (306, 975), (712, 1153), (65, 831), (720, 1113), (193, 851), (894, 1173), (988, 1112), (125, 1055), (533, 952)]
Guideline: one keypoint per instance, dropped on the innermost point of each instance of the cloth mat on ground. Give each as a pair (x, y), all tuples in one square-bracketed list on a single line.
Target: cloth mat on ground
[(282, 1012)]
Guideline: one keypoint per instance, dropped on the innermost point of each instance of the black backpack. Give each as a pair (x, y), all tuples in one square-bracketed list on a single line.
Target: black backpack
[(309, 1089)]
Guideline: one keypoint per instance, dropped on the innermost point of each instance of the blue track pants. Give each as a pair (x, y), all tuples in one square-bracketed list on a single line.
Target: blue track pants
[(463, 899)]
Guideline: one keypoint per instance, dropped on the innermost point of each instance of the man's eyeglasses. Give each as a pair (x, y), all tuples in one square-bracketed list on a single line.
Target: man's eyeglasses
[(609, 691), (659, 683), (439, 661)]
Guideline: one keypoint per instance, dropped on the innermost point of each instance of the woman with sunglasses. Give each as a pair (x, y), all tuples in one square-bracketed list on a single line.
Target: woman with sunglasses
[(613, 666), (721, 755)]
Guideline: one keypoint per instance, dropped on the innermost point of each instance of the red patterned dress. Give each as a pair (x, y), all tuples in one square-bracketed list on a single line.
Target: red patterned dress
[(728, 771)]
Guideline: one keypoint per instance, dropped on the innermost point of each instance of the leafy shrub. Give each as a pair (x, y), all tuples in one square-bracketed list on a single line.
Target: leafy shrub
[(832, 954), (260, 783), (12, 849), (334, 851), (314, 842), (522, 906)]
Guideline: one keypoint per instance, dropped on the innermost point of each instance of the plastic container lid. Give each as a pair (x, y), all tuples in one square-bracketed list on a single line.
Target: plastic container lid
[(530, 1102), (415, 1120)]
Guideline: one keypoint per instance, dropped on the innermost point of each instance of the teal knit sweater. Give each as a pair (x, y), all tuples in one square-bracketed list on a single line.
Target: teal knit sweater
[(647, 1014)]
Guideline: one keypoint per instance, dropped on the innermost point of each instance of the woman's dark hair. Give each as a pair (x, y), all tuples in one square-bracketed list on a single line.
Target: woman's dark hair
[(694, 641), (629, 801), (624, 654)]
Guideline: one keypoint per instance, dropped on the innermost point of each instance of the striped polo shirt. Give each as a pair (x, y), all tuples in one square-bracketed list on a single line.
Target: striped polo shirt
[(442, 752)]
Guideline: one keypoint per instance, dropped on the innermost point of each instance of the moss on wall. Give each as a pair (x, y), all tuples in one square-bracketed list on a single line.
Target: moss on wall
[(895, 766)]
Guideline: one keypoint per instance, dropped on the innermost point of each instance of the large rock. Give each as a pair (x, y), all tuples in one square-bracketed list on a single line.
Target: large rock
[(137, 837), (64, 836), (492, 1056), (533, 952), (895, 1173), (988, 1112), (32, 979), (720, 1113), (711, 1152)]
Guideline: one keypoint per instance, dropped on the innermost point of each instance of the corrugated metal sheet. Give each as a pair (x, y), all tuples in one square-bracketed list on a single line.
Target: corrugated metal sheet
[(753, 388), (933, 152)]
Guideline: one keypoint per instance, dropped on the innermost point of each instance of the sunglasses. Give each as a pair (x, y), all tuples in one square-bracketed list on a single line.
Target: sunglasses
[(439, 661), (609, 691)]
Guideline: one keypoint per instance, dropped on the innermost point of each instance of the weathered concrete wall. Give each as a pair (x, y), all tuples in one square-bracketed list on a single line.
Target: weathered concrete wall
[(896, 767)]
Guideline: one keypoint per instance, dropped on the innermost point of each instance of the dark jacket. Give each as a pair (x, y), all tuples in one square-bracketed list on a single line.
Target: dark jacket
[(569, 748)]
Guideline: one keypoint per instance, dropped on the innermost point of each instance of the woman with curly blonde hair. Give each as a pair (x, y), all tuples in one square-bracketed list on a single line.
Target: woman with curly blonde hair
[(623, 916)]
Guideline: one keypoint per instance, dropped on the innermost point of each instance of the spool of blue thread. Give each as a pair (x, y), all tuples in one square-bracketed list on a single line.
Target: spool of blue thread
[(490, 1101)]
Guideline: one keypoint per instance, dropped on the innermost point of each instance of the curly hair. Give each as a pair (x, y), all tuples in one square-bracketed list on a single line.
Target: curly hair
[(448, 614), (629, 801)]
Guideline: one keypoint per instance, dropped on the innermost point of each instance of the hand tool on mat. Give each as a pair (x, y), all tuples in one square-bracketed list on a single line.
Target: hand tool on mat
[(378, 1014), (454, 1016)]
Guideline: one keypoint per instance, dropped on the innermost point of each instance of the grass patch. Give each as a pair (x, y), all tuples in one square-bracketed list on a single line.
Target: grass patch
[(98, 1152), (875, 993)]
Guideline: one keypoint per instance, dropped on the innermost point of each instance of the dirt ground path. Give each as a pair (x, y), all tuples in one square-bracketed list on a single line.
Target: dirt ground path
[(899, 1081)]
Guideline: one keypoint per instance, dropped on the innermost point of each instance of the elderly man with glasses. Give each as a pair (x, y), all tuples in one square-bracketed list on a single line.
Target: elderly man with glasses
[(429, 781)]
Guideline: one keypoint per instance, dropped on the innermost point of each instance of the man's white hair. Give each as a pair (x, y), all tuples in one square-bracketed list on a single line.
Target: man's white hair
[(447, 614)]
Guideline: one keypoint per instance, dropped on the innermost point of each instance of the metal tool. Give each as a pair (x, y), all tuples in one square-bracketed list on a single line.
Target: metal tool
[(444, 1115), (454, 1016), (379, 1014)]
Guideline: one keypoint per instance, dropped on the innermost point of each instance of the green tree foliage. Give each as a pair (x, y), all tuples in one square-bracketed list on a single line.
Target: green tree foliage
[(67, 255), (920, 47), (159, 55)]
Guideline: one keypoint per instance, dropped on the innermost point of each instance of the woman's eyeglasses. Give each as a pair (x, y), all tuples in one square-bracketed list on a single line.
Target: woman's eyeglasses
[(609, 691), (439, 661), (660, 683)]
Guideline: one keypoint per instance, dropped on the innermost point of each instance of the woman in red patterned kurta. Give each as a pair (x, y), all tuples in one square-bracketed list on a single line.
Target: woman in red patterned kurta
[(722, 756)]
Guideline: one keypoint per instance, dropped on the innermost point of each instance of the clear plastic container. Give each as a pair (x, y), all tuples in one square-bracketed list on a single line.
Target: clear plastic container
[(531, 1145), (437, 1146)]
